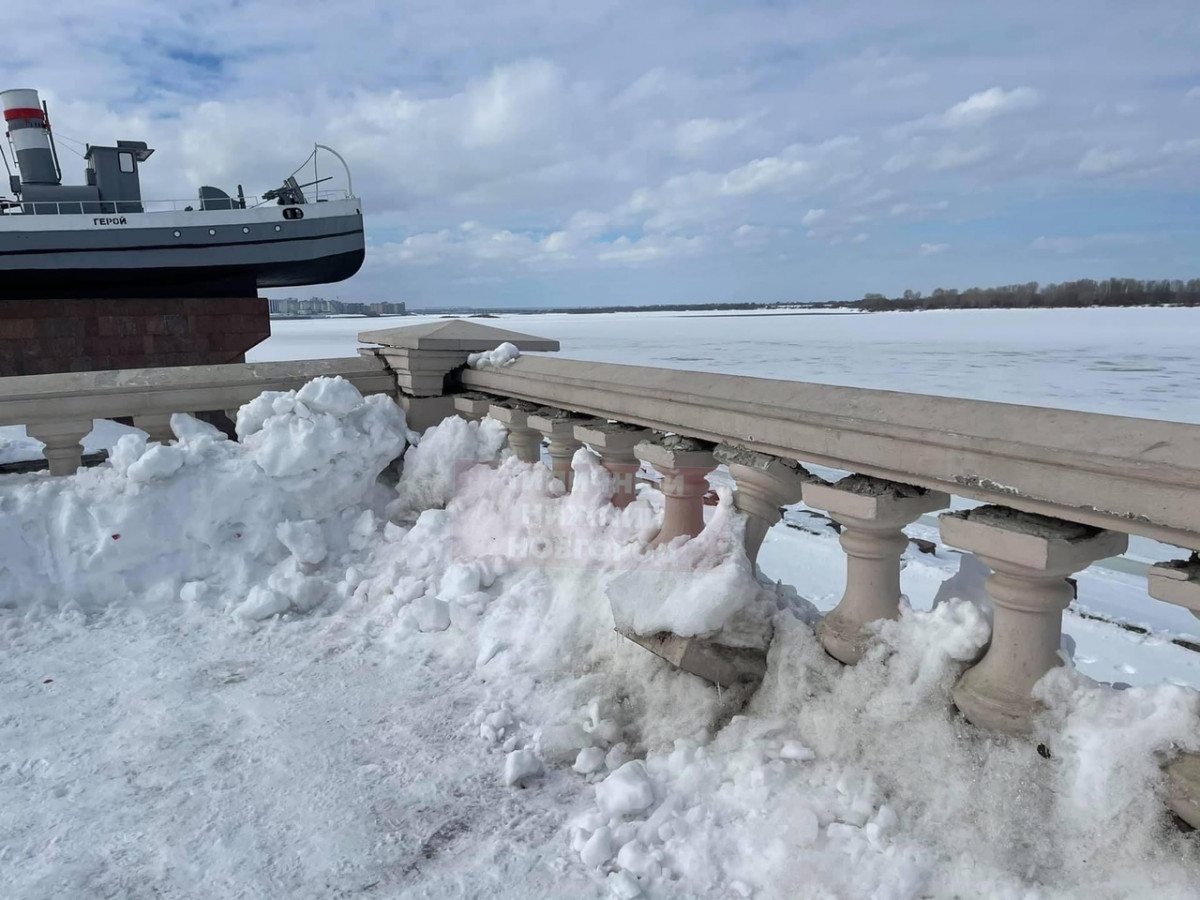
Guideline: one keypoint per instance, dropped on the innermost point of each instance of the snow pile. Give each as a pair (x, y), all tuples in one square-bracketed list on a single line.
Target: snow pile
[(697, 587), (431, 466), (513, 579), (500, 356), (862, 782), (261, 524), (487, 609)]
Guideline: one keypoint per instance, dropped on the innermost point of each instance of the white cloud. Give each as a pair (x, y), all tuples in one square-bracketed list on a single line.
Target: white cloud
[(812, 217), (932, 249), (1099, 161), (859, 238), (696, 137), (652, 248), (953, 156), (1067, 245), (985, 105)]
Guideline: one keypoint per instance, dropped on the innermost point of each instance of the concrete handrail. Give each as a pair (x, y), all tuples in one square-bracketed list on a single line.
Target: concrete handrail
[(1136, 476), (30, 399)]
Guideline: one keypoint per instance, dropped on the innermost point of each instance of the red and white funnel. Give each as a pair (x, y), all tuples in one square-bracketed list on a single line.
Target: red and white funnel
[(30, 135)]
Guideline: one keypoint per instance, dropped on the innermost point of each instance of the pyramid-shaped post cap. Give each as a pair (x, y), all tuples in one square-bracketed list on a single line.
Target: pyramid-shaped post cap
[(455, 334)]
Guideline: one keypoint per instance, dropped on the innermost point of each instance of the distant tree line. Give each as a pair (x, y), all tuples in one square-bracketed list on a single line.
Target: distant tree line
[(677, 307), (1085, 292)]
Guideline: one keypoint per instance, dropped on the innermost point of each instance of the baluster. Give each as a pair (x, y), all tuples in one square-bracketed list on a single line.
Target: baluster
[(526, 442), (872, 513), (765, 484), (613, 442), (558, 427), (63, 450), (1031, 557), (684, 464)]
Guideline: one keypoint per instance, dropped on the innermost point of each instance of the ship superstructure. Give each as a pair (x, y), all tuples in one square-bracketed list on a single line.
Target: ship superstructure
[(102, 239)]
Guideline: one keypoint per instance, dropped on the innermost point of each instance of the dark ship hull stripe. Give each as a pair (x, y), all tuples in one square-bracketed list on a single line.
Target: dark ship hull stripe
[(180, 281), (215, 245)]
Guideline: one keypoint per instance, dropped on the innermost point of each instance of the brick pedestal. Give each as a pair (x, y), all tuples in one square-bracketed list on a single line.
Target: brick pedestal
[(39, 337)]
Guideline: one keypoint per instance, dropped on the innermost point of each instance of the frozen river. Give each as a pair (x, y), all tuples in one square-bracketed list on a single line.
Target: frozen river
[(1136, 362)]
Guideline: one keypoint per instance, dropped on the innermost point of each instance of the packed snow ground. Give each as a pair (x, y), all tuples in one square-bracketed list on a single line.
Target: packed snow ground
[(253, 669)]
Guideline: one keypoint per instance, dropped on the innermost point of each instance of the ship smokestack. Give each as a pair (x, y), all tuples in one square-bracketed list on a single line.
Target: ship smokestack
[(30, 135)]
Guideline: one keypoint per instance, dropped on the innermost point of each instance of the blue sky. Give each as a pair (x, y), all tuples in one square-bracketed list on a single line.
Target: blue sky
[(538, 153)]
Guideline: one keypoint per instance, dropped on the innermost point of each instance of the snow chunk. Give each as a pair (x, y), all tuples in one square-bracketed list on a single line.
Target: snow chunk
[(521, 766), (432, 614), (589, 760), (158, 462), (334, 395), (501, 356), (304, 540), (599, 849), (627, 790), (445, 452)]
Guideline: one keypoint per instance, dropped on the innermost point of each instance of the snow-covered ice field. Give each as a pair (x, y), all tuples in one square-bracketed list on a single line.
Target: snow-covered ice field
[(1131, 362), (254, 670)]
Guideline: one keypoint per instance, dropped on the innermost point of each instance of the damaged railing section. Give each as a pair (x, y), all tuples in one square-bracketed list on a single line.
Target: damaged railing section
[(1060, 490), (58, 409)]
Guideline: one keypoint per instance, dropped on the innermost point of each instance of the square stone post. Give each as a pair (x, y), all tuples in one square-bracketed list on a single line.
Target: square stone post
[(1178, 582), (424, 359), (525, 441), (472, 406), (872, 513), (764, 485), (614, 443), (558, 427), (1031, 558), (63, 450), (684, 464)]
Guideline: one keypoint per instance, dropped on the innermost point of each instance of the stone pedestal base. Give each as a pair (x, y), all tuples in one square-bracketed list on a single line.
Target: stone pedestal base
[(724, 666), (40, 337)]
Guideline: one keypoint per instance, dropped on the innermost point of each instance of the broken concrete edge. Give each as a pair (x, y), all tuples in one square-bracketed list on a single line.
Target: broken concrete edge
[(1031, 524), (869, 486), (732, 454), (724, 666)]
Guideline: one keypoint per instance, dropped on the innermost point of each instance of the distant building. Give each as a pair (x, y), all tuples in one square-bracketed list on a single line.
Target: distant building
[(319, 306)]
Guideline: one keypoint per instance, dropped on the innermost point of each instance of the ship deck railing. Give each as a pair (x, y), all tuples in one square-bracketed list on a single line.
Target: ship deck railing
[(129, 207)]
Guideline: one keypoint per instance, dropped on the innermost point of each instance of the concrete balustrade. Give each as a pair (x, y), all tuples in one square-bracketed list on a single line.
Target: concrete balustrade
[(1066, 488), (523, 439), (765, 484), (684, 465), (613, 442), (58, 409), (1031, 558), (872, 512), (558, 428)]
